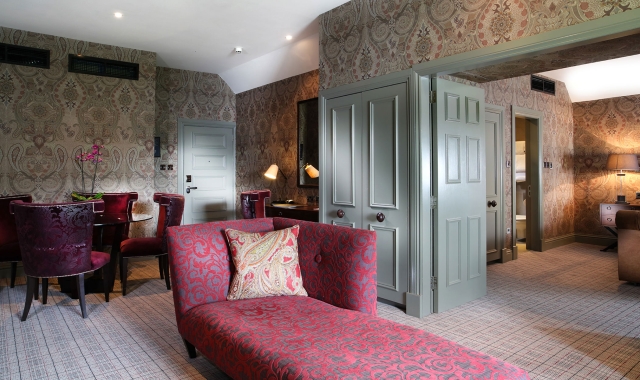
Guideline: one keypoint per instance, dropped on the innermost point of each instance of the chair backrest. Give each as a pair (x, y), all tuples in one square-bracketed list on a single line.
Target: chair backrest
[(170, 214), (7, 221), (115, 203), (55, 239)]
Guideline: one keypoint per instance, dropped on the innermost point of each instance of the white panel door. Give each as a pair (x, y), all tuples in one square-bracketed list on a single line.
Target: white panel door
[(459, 171), (208, 175)]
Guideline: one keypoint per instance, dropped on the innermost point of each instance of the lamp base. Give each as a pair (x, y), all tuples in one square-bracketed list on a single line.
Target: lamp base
[(622, 200)]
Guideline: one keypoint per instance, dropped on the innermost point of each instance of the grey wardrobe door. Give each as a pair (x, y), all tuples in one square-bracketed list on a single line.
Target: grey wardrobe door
[(342, 202), (385, 185), (460, 183)]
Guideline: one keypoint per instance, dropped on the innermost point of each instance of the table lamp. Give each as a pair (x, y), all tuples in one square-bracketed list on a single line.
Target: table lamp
[(622, 162), (272, 173), (311, 171)]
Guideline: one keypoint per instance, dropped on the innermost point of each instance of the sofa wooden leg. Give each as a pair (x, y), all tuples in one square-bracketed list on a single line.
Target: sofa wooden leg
[(191, 349)]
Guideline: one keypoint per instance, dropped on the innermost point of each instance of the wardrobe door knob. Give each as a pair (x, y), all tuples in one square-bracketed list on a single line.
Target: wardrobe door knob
[(340, 213), (380, 217)]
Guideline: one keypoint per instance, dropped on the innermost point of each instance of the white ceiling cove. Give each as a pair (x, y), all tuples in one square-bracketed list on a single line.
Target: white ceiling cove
[(600, 80), (198, 35)]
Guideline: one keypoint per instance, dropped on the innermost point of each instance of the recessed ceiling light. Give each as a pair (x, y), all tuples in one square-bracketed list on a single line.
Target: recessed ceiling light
[(118, 15), (289, 37)]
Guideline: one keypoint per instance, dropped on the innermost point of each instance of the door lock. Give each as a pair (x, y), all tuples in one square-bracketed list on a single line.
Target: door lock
[(189, 188)]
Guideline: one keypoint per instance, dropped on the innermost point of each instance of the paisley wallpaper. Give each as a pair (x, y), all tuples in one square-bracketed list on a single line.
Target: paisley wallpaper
[(47, 116), (602, 127), (558, 202), (189, 95), (367, 38), (267, 125)]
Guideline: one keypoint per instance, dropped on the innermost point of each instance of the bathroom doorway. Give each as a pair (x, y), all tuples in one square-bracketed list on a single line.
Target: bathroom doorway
[(527, 179)]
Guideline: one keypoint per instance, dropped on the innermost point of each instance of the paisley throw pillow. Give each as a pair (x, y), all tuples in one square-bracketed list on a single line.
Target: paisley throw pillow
[(266, 264)]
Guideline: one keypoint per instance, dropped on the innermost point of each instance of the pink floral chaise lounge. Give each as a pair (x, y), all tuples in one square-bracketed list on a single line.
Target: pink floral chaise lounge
[(331, 334)]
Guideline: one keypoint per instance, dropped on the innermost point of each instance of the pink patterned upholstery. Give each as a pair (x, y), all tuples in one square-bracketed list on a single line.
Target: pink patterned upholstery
[(200, 263), (55, 241), (114, 203), (246, 339), (171, 208), (338, 264), (302, 337)]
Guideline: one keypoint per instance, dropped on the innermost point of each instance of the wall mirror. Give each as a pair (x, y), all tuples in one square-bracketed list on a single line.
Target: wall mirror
[(308, 143)]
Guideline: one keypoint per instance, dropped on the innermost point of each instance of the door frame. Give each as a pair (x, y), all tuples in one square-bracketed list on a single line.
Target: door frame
[(586, 33), (499, 110), (208, 124), (536, 222)]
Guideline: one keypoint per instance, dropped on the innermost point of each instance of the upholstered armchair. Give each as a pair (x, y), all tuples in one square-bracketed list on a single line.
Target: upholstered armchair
[(114, 203), (9, 247), (170, 214), (55, 241), (628, 225)]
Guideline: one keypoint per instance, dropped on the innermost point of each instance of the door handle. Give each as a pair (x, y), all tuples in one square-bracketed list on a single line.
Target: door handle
[(340, 213), (380, 217), (189, 188), (492, 204)]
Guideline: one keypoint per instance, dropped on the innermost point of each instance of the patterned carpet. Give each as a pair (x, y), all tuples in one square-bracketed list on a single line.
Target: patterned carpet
[(560, 314)]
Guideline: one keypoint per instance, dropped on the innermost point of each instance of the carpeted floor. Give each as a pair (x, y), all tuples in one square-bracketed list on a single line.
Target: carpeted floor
[(560, 314)]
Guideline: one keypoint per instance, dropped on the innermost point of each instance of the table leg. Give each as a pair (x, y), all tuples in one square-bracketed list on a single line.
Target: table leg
[(614, 244), (115, 250)]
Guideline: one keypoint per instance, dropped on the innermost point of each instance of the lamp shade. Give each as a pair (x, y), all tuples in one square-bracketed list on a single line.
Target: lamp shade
[(622, 162), (272, 172), (311, 171)]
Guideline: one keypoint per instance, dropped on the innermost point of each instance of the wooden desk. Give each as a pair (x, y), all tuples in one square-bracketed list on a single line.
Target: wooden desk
[(303, 212), (608, 218)]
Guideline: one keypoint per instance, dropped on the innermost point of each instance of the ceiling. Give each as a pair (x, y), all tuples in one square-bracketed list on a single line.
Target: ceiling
[(601, 80), (600, 70), (198, 35)]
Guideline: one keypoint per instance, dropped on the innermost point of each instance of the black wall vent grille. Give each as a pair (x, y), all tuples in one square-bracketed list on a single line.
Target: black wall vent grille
[(103, 67), (24, 56), (543, 85)]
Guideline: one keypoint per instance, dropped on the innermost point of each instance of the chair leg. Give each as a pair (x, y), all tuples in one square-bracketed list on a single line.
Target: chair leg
[(14, 271), (83, 306), (165, 267), (45, 290), (35, 291), (106, 281), (191, 349), (31, 284), (123, 274), (160, 267)]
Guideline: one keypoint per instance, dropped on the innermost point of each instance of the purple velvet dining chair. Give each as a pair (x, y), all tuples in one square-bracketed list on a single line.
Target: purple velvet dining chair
[(9, 247), (55, 241), (170, 214), (114, 203)]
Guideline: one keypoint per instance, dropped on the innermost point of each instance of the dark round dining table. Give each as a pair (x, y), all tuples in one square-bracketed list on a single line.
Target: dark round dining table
[(94, 284)]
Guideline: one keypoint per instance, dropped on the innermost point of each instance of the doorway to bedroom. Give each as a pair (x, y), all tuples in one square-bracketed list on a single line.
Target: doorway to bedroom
[(527, 179)]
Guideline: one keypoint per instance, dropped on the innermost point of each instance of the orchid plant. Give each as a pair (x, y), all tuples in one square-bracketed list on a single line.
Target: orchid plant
[(95, 157)]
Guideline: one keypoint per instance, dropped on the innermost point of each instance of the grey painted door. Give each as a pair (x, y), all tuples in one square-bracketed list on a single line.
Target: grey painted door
[(493, 143), (460, 188), (342, 202), (209, 164), (385, 186), (367, 176)]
